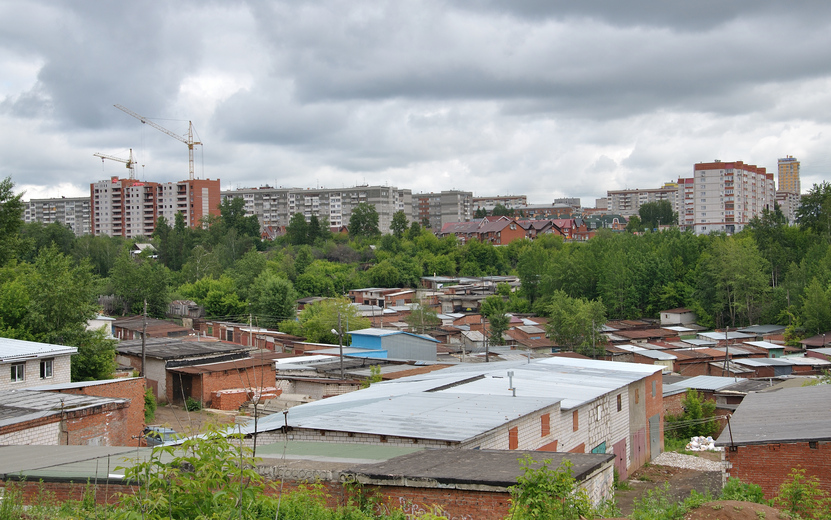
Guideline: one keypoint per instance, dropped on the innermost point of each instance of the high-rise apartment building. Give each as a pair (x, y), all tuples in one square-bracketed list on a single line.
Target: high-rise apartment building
[(725, 196), (437, 209), (789, 175), (130, 208), (628, 202), (276, 206), (71, 212), (508, 201)]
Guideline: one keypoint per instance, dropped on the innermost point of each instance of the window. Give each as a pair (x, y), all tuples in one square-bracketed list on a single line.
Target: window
[(653, 388), (46, 368), (575, 421), (229, 335), (545, 425), (619, 403), (18, 372)]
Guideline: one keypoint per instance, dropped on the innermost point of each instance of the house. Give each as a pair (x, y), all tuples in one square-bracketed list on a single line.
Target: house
[(138, 249), (164, 353), (818, 341), (769, 436), (25, 364), (51, 418), (555, 404), (679, 316), (102, 322), (498, 230)]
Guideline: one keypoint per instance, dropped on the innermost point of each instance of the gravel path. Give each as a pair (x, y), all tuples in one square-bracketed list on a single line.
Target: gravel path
[(677, 460)]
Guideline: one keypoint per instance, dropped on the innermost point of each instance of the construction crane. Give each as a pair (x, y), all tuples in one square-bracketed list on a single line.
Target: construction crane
[(189, 141), (130, 163)]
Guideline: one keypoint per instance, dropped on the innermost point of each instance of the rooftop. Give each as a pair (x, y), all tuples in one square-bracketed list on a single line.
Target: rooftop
[(174, 348), (26, 405), (18, 350), (810, 421)]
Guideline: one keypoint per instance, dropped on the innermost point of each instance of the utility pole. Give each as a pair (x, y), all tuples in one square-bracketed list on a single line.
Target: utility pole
[(340, 346), (143, 340)]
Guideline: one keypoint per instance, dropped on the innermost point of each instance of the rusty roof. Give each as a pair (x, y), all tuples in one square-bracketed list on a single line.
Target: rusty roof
[(237, 364)]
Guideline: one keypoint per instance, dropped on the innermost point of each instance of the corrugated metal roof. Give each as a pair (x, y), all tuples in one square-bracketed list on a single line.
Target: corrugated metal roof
[(17, 349), (465, 400), (26, 405), (810, 421), (710, 383), (721, 336), (763, 362), (762, 329), (767, 345)]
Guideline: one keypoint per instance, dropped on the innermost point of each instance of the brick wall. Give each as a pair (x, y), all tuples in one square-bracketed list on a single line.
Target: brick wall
[(768, 465), (132, 389), (672, 404), (103, 425), (655, 404)]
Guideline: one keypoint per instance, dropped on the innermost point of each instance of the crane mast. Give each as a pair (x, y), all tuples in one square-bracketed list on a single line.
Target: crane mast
[(188, 141), (129, 163)]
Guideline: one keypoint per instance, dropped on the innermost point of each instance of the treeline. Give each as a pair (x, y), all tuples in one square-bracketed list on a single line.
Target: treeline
[(769, 273)]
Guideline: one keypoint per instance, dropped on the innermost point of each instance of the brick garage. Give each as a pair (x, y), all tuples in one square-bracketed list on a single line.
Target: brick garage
[(131, 388), (49, 418), (201, 382), (774, 432)]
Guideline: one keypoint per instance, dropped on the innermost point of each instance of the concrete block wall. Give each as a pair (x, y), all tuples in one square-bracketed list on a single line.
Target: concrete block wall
[(769, 465)]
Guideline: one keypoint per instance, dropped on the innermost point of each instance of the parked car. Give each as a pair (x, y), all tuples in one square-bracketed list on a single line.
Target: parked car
[(156, 435)]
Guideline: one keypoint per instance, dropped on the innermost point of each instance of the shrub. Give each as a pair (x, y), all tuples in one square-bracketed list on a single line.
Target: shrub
[(149, 405), (735, 489), (192, 405)]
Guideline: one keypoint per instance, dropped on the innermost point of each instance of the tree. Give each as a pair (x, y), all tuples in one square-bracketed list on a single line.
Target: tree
[(501, 211), (273, 299), (134, 280), (422, 318), (11, 220), (319, 319), (480, 213), (634, 225), (575, 323), (697, 419), (414, 231), (95, 358), (655, 214), (297, 231), (232, 216), (814, 211), (399, 225), (364, 221), (816, 308)]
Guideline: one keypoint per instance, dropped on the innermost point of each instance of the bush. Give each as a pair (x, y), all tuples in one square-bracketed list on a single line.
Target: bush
[(192, 405), (735, 489), (149, 405), (802, 496)]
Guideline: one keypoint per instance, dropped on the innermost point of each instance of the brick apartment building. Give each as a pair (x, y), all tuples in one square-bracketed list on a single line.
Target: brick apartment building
[(130, 208)]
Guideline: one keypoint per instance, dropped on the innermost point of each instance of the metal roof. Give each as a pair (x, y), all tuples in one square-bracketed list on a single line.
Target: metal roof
[(710, 383), (463, 401), (763, 362), (26, 405), (809, 421), (677, 328), (173, 348), (721, 336), (698, 342), (80, 384), (767, 345), (19, 350), (762, 329)]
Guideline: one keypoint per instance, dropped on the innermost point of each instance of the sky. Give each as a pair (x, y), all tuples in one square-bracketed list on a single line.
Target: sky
[(544, 98)]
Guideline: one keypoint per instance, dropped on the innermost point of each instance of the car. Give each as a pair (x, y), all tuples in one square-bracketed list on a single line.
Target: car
[(157, 435)]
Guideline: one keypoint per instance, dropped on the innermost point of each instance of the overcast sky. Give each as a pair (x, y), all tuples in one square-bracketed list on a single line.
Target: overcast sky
[(547, 98)]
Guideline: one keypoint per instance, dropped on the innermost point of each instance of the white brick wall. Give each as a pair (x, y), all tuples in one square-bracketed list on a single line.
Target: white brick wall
[(60, 373), (46, 435)]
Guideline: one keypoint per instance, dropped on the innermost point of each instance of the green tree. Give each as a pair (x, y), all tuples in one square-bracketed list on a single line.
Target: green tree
[(634, 225), (545, 494), (414, 231), (11, 220), (136, 279), (400, 223), (698, 418), (297, 232), (480, 213), (422, 318), (658, 213), (575, 323), (364, 221), (95, 358), (232, 216), (814, 211), (273, 299), (816, 308), (319, 319), (501, 211)]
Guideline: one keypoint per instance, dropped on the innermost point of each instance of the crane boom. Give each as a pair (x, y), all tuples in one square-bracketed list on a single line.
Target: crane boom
[(130, 163), (189, 141)]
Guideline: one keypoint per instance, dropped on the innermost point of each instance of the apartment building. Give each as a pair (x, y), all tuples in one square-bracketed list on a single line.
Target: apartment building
[(724, 196), (71, 212), (627, 202), (130, 208), (276, 206), (434, 210), (508, 201), (788, 203), (789, 175)]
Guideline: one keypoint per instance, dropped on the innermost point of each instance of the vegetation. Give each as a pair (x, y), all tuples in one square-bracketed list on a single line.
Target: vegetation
[(697, 419)]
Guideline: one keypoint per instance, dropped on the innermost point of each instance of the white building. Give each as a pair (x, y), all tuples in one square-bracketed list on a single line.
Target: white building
[(276, 206), (725, 196), (627, 202), (25, 364), (71, 212), (555, 404)]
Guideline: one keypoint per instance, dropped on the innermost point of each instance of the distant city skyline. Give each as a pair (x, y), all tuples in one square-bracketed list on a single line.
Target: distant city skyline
[(545, 99)]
